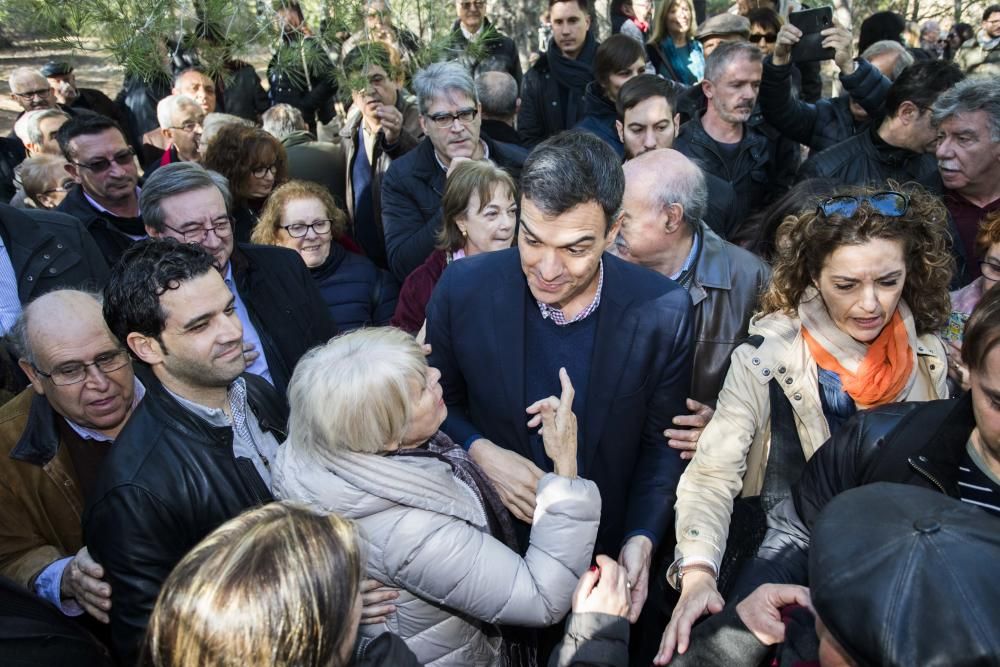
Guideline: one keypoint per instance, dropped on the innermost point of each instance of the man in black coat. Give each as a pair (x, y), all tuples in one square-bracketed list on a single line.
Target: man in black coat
[(509, 328), (901, 146), (450, 116), (280, 309), (197, 450), (63, 81), (492, 50)]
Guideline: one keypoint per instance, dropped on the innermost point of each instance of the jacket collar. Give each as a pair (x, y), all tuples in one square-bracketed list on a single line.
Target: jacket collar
[(944, 450), (297, 138), (40, 440), (712, 270), (753, 139)]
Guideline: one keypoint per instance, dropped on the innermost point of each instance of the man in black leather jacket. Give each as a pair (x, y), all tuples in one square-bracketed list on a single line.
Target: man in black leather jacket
[(197, 450)]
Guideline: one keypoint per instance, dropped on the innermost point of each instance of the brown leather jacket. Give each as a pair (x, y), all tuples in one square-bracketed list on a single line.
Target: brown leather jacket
[(40, 498), (728, 281)]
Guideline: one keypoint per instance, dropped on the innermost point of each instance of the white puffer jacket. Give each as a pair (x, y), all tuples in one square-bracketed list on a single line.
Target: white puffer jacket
[(426, 534)]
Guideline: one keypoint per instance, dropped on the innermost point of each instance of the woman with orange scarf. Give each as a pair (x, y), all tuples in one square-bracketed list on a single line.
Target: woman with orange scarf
[(860, 286)]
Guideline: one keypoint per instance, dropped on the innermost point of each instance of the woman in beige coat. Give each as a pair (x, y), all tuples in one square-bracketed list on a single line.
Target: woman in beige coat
[(860, 287), (364, 442)]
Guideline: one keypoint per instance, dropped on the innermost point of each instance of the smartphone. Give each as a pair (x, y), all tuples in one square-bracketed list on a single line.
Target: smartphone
[(811, 22)]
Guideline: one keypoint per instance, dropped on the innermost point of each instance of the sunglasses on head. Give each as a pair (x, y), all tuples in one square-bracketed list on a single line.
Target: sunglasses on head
[(890, 204)]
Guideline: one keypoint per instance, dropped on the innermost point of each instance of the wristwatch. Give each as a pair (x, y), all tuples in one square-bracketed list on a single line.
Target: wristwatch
[(677, 570)]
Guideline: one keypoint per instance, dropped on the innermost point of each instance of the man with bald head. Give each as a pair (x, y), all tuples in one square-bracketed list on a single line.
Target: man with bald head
[(663, 229), (54, 437)]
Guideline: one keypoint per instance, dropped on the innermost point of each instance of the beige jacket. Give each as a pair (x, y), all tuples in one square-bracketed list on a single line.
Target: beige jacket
[(733, 449)]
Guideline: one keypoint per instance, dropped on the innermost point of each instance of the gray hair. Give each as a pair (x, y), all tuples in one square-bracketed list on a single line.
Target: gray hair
[(35, 118), (175, 179), (497, 93), (215, 121), (574, 168), (283, 120), (23, 73), (887, 46), (441, 78), (168, 106), (353, 393), (688, 188), (977, 93), (18, 336), (725, 53)]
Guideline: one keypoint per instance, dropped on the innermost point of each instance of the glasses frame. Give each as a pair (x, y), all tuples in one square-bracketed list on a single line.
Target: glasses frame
[(226, 227), (31, 94), (307, 226), (994, 269), (122, 159), (446, 120), (826, 207), (120, 352), (260, 172), (200, 123)]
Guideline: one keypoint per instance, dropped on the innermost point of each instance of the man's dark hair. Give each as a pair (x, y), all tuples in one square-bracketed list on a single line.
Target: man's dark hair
[(764, 16), (982, 331), (921, 83), (583, 4), (992, 9), (81, 126), (497, 93), (616, 53), (641, 88), (193, 68), (368, 53), (574, 168), (147, 270)]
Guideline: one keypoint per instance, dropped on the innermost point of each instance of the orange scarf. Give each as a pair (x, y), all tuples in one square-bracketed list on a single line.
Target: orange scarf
[(883, 373)]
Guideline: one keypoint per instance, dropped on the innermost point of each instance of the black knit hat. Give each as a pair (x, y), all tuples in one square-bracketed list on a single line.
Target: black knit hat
[(905, 576), (57, 68)]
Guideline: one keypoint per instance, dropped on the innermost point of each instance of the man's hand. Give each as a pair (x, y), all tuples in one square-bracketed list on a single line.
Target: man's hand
[(392, 122), (842, 42), (686, 439), (602, 589), (788, 37), (761, 610), (635, 558), (515, 477), (82, 580), (376, 604), (250, 352), (699, 596)]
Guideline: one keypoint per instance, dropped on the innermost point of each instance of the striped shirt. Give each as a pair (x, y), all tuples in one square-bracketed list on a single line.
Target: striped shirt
[(977, 484), (556, 314), (10, 302)]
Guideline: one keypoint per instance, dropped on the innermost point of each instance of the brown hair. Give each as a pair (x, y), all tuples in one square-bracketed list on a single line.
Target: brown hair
[(989, 233), (982, 331), (236, 151), (616, 53), (479, 176), (660, 21), (803, 243), (265, 232), (277, 585)]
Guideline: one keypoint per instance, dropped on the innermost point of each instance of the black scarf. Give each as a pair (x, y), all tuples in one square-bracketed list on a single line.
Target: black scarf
[(574, 75)]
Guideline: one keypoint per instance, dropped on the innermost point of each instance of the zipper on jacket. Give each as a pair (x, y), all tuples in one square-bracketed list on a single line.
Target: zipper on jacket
[(926, 474)]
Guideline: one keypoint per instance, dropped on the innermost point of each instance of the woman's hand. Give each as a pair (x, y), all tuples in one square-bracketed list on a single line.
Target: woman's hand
[(555, 415), (602, 589), (376, 602)]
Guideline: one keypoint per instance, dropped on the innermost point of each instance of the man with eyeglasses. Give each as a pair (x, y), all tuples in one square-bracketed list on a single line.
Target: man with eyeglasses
[(180, 119), (277, 302), (54, 437), (198, 87), (494, 51), (379, 27), (411, 191), (106, 196), (63, 81), (981, 54)]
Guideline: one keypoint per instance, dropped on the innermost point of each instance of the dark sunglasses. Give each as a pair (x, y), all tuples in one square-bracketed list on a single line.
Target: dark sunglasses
[(890, 204), (766, 36), (122, 159)]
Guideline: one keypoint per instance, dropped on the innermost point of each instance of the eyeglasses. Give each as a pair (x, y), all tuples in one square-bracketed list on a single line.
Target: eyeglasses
[(766, 36), (446, 120), (195, 232), (76, 372), (122, 159), (189, 125), (299, 229), (890, 204), (63, 187), (989, 269), (260, 172), (41, 92), (478, 4)]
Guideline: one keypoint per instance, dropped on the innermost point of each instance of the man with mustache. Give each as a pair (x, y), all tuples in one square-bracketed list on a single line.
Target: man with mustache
[(724, 141), (106, 196)]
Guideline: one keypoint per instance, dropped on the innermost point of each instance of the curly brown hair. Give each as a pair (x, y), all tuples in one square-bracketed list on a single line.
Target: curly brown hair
[(805, 241), (989, 233), (265, 232), (236, 151)]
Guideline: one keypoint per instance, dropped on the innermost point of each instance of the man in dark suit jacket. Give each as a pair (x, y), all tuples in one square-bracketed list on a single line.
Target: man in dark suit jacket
[(501, 325)]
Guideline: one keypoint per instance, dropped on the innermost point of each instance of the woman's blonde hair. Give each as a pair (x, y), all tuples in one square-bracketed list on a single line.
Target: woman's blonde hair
[(803, 242), (265, 232), (354, 393), (479, 176), (660, 21), (277, 585)]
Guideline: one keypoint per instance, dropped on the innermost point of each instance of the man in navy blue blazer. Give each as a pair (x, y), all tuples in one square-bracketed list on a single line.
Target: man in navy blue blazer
[(502, 324)]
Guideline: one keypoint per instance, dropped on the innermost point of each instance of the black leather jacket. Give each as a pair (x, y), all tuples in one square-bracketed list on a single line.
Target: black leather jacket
[(866, 159), (169, 480)]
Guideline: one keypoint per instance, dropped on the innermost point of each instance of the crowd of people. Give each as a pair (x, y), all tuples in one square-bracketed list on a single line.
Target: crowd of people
[(654, 351)]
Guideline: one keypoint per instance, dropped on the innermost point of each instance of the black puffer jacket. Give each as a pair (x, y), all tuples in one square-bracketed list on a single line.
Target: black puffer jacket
[(357, 292), (866, 159), (11, 154), (170, 479), (828, 121)]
